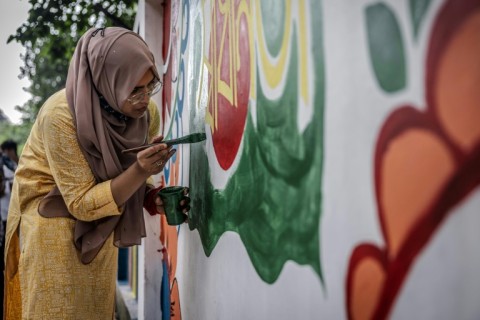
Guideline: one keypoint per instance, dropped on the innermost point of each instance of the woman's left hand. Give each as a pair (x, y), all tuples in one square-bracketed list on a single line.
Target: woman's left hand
[(154, 203)]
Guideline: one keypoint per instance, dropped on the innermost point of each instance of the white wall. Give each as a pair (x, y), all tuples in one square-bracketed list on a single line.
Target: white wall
[(440, 281)]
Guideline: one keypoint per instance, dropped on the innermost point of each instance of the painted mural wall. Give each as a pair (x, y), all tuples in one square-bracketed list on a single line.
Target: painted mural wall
[(340, 176)]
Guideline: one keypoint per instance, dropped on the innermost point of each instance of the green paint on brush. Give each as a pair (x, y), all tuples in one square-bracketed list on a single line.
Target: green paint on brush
[(273, 200), (190, 138)]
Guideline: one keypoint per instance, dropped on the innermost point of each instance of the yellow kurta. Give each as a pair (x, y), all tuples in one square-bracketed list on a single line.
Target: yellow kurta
[(44, 278)]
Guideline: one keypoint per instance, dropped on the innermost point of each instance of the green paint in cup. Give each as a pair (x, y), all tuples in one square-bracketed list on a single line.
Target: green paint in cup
[(171, 197)]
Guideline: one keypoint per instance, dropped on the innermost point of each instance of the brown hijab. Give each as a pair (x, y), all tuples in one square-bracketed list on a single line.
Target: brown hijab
[(108, 62)]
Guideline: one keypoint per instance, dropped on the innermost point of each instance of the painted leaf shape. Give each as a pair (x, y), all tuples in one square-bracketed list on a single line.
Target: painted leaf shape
[(418, 8), (386, 46), (273, 16)]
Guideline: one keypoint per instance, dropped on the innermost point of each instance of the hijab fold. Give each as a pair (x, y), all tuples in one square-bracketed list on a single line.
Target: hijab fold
[(109, 63)]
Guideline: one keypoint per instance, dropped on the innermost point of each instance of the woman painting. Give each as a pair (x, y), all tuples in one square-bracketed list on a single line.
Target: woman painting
[(76, 198)]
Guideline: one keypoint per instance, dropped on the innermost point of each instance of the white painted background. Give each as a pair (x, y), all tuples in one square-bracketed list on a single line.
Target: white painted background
[(444, 281)]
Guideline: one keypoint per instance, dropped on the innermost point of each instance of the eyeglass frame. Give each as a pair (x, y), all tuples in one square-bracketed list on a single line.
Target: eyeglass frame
[(155, 89)]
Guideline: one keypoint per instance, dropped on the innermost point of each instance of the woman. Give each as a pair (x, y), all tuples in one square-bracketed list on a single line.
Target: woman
[(76, 197)]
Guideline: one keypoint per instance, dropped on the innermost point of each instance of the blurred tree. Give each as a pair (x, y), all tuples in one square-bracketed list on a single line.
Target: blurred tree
[(50, 34), (3, 116)]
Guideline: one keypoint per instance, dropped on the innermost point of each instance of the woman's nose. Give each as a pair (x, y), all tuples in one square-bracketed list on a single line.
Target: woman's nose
[(145, 96)]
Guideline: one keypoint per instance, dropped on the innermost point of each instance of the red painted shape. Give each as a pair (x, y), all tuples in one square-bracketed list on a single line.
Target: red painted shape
[(456, 188), (229, 114)]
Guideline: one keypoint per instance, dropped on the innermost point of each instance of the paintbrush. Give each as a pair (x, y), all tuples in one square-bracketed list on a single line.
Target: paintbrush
[(190, 138)]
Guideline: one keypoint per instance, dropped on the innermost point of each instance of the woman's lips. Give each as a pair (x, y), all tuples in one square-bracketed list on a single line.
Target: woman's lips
[(142, 109)]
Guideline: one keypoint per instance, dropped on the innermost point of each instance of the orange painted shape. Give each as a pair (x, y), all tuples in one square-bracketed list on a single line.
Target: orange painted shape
[(169, 239), (163, 229), (458, 88), (415, 167), (175, 310), (367, 285), (171, 245)]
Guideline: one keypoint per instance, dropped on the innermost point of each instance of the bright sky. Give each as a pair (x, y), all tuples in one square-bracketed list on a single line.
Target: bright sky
[(12, 14)]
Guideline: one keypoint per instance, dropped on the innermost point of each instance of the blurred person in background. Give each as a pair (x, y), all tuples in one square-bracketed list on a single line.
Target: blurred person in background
[(8, 163), (9, 160)]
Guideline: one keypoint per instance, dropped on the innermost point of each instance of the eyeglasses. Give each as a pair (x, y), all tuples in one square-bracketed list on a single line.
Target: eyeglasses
[(151, 89)]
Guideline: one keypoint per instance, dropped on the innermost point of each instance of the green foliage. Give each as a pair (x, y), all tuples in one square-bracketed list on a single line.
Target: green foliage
[(50, 34), (18, 133)]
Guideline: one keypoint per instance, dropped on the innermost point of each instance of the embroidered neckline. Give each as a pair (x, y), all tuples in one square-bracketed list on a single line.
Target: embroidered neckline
[(109, 109)]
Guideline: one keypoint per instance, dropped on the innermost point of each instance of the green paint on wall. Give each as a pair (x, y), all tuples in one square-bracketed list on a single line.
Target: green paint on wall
[(273, 17), (386, 46), (418, 8), (273, 199)]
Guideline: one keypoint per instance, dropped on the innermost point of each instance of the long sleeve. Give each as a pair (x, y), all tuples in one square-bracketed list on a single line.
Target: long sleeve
[(86, 200)]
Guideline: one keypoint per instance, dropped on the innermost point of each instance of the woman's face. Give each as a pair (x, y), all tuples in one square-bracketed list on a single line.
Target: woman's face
[(140, 97)]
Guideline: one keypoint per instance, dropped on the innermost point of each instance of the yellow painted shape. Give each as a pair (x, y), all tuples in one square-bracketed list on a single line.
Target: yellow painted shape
[(302, 25), (272, 70)]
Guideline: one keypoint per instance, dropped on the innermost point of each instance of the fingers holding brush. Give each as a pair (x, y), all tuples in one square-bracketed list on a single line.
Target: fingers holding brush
[(153, 159), (157, 139)]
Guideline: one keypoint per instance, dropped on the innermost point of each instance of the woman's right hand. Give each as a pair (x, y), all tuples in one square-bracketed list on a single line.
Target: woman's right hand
[(149, 162), (152, 160)]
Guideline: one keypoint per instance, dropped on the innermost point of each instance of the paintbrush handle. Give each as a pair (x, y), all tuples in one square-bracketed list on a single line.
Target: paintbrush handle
[(191, 138), (137, 149)]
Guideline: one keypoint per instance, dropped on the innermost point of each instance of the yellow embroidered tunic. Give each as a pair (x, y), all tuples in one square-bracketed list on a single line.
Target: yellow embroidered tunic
[(44, 278)]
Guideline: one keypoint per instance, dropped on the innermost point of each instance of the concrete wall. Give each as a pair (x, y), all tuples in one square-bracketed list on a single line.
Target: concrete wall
[(340, 174)]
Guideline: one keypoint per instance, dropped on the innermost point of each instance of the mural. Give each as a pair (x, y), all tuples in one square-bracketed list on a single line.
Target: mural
[(293, 189), (251, 74), (281, 157), (426, 163)]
